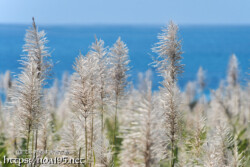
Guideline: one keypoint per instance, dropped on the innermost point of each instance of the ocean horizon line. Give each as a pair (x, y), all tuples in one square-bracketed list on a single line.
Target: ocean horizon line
[(126, 24)]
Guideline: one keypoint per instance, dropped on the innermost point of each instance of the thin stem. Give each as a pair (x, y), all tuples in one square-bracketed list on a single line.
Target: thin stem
[(79, 157), (92, 133), (32, 147), (36, 145), (86, 142), (147, 154), (172, 155), (116, 106), (28, 141), (102, 111)]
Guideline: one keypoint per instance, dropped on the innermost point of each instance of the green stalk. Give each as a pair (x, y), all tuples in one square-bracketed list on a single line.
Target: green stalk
[(102, 111), (92, 133), (79, 157), (116, 106), (86, 142), (36, 145), (172, 154), (32, 147), (28, 140)]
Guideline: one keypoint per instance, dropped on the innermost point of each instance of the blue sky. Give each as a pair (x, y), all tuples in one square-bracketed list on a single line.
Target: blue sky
[(125, 11)]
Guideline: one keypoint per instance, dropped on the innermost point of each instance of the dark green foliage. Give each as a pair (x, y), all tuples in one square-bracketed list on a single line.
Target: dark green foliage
[(53, 122), (192, 104), (3, 151), (175, 160), (243, 145), (54, 127), (240, 137), (118, 142), (23, 148)]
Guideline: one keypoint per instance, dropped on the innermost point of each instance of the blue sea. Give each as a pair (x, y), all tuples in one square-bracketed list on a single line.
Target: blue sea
[(206, 46)]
